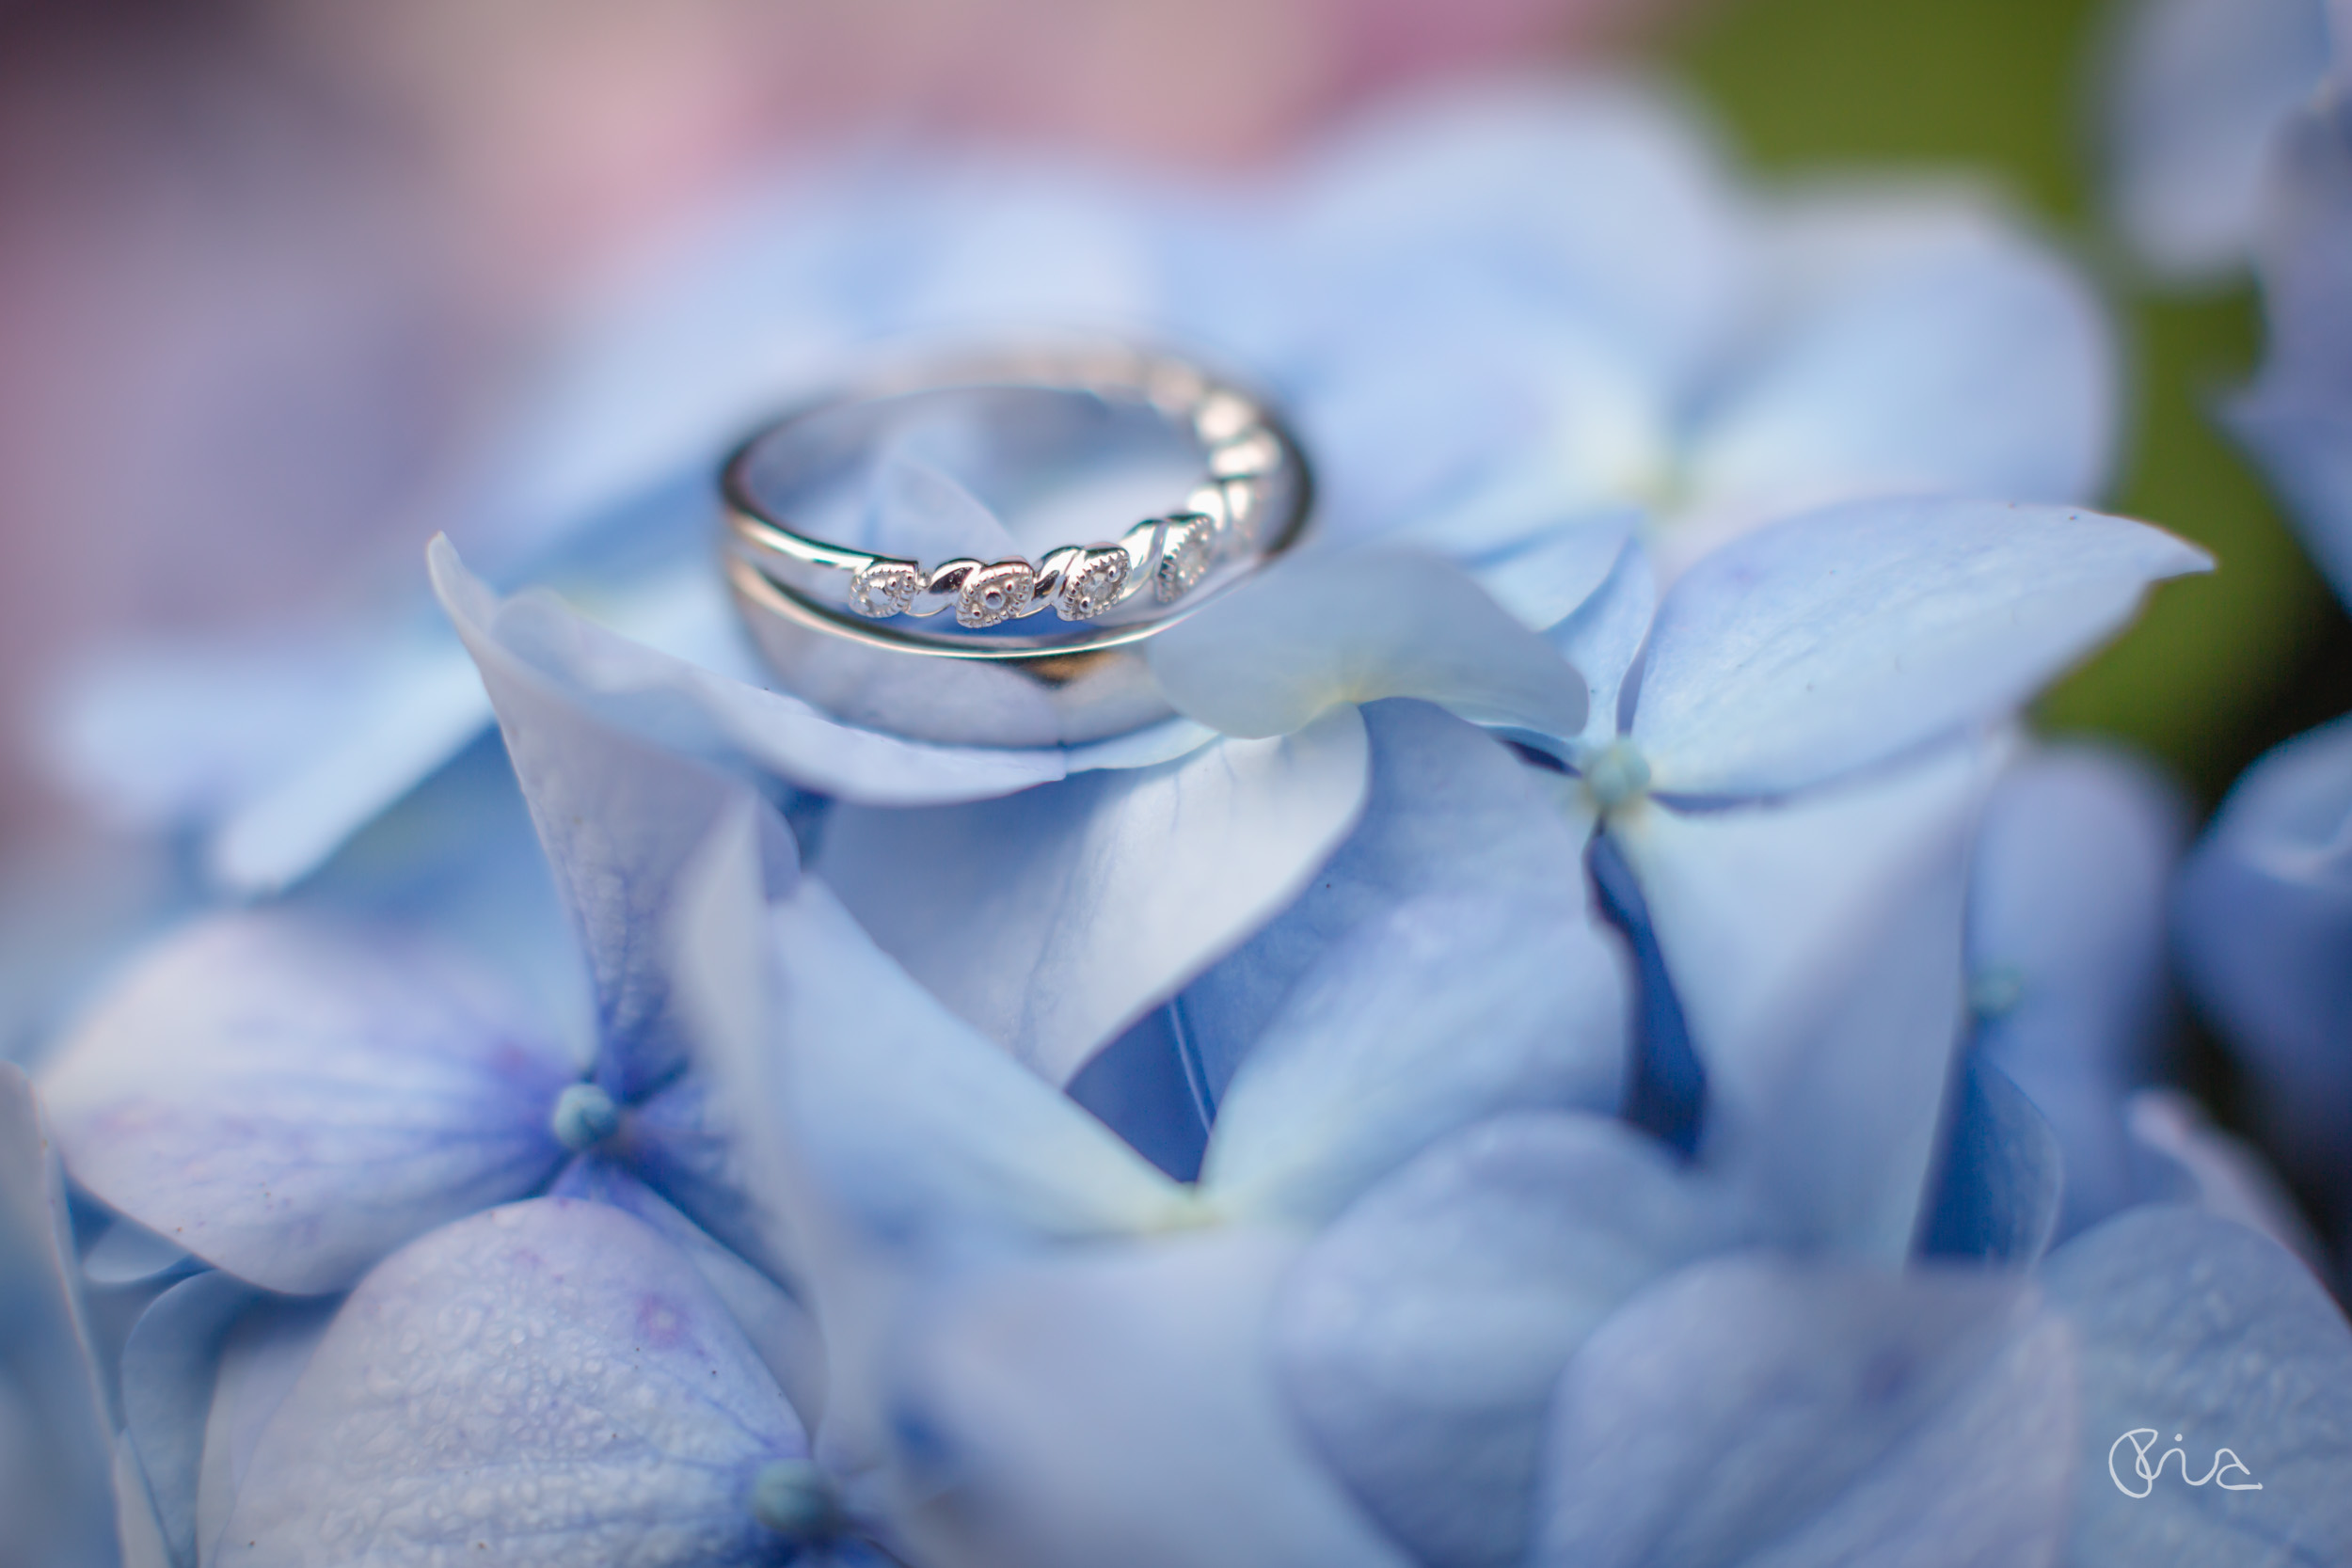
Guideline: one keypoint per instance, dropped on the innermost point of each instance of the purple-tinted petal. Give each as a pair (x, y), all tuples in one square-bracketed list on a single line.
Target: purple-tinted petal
[(2200, 87), (547, 1381), (289, 1098), (1848, 636), (1323, 631), (2264, 922), (1116, 1406), (2066, 950), (1759, 1412), (57, 1478), (619, 818), (2199, 1335), (1447, 966), (1815, 947), (1421, 1334), (1054, 919)]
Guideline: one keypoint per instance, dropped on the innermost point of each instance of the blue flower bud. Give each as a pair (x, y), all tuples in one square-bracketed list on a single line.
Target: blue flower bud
[(584, 1117), (796, 1499)]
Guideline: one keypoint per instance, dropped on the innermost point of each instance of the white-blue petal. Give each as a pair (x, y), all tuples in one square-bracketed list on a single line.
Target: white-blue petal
[(1447, 966), (1325, 630), (1770, 1414), (1815, 945), (548, 1381), (170, 1363), (2201, 1334), (1117, 1406), (289, 1098), (1851, 635), (1604, 637), (1421, 1334), (1053, 919)]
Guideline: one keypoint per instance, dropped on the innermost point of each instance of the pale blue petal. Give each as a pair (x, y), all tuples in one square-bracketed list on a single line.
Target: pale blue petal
[(1421, 1334), (56, 1483), (1547, 578), (548, 1381), (1604, 637), (2191, 1325), (1815, 947), (2066, 950), (2264, 922), (619, 818), (2294, 418), (1770, 1414), (2202, 1165), (261, 1356), (540, 642), (2198, 89), (170, 1365), (1325, 630), (1114, 1406), (1451, 817), (1455, 969), (289, 1098), (1996, 1196), (1971, 362), (1054, 919), (1851, 635)]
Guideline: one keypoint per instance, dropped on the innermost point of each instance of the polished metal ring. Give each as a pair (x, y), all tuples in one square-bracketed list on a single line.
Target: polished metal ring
[(845, 628)]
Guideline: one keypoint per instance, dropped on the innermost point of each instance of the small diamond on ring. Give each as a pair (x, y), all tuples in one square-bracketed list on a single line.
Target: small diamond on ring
[(996, 593)]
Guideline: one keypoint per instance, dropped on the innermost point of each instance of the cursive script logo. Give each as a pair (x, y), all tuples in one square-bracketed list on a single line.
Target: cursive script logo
[(2143, 1438)]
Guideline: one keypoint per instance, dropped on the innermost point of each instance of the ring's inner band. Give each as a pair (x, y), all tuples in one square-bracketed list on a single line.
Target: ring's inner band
[(965, 509)]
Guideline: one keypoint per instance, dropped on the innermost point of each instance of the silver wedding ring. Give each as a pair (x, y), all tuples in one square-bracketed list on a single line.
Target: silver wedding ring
[(1021, 651)]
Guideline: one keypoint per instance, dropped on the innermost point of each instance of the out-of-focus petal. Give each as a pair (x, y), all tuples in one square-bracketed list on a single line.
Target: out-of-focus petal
[(1116, 1406), (1421, 1334), (1604, 637), (1815, 947), (2200, 1335), (1997, 1197), (2264, 922), (290, 1099), (619, 818), (1851, 635), (546, 1380), (1463, 971), (1759, 1412), (1972, 364), (2218, 1172), (170, 1365), (1449, 815), (1054, 919), (59, 1485), (2066, 950), (2198, 89), (1323, 631), (260, 1358)]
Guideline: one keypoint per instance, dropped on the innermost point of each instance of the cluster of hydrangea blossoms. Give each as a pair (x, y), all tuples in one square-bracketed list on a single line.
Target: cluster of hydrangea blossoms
[(1416, 1305)]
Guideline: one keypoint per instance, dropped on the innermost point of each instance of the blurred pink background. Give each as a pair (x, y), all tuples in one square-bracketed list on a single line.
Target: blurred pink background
[(267, 269)]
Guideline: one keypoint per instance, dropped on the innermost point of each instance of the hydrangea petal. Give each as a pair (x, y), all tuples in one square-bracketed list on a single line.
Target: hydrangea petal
[(260, 1358), (2066, 950), (1421, 1334), (1323, 631), (1769, 1414), (170, 1365), (1970, 363), (2193, 1326), (1826, 1030), (290, 1099), (1461, 972), (2215, 1171), (619, 818), (1054, 919), (1997, 1197), (546, 1380), (1851, 635), (2265, 924), (1604, 638), (1450, 815), (1113, 1407), (2200, 87), (53, 1423)]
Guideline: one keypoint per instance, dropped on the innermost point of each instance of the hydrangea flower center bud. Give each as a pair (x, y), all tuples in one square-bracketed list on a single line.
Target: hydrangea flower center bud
[(1616, 774), (584, 1117), (794, 1498), (1996, 990)]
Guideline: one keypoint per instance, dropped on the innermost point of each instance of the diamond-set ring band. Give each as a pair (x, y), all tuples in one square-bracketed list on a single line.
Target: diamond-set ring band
[(855, 632)]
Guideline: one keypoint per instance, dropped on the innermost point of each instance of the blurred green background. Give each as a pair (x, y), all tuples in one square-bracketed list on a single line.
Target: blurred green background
[(2222, 666)]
